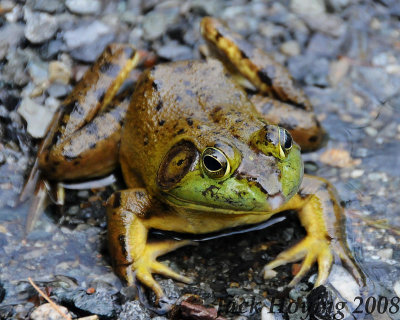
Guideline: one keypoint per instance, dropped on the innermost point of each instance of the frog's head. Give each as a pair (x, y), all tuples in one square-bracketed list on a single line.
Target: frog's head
[(233, 176)]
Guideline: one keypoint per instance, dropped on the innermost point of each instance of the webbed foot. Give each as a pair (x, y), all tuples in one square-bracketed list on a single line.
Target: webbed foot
[(147, 264), (310, 250)]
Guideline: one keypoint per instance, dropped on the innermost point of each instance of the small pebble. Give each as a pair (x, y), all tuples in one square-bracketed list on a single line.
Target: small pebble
[(326, 23), (338, 158), (175, 52), (47, 312), (59, 72), (84, 6), (49, 6), (58, 90), (155, 23), (290, 48), (39, 26), (376, 176), (269, 274), (338, 69), (356, 173), (37, 117), (85, 34), (308, 7)]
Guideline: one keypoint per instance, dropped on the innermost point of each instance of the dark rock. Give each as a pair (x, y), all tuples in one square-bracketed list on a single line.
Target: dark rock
[(102, 302)]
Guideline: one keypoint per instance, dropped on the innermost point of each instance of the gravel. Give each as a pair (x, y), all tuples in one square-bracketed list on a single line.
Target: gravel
[(344, 53)]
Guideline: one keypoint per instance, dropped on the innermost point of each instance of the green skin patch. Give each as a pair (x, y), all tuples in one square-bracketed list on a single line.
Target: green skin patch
[(232, 195)]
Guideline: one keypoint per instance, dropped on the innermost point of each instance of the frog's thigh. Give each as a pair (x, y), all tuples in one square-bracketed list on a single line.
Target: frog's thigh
[(321, 215), (91, 151), (128, 227), (268, 76), (65, 143), (302, 124), (97, 87)]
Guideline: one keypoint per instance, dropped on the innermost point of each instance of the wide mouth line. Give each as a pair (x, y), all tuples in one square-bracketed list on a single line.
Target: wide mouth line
[(202, 207)]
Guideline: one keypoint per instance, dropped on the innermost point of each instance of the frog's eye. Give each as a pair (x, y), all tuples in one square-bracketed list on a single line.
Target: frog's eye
[(285, 140), (215, 163)]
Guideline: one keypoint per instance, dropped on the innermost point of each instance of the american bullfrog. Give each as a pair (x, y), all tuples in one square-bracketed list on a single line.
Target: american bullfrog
[(197, 153)]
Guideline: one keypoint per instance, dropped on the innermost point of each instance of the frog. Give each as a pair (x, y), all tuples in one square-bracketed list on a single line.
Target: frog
[(198, 153)]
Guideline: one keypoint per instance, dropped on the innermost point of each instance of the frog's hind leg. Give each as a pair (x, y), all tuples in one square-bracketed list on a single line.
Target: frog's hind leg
[(88, 127), (268, 76), (132, 254), (302, 124)]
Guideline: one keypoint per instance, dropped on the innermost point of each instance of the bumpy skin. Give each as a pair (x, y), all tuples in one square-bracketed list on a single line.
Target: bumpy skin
[(197, 157)]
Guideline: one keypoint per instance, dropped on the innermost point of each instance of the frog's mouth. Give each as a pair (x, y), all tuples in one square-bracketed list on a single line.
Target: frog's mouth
[(273, 203)]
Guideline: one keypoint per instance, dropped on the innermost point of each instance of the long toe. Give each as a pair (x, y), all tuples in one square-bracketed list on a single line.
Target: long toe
[(162, 269)]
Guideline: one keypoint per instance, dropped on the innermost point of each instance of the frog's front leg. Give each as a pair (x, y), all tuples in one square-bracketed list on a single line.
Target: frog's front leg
[(128, 224), (321, 215)]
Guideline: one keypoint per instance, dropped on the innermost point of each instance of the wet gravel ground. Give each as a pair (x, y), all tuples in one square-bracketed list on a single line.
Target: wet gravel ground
[(346, 56)]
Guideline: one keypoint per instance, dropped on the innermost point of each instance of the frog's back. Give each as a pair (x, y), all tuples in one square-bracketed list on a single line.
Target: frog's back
[(185, 100)]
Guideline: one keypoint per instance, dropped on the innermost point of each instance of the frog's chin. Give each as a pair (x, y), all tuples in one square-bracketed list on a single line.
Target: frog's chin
[(271, 205)]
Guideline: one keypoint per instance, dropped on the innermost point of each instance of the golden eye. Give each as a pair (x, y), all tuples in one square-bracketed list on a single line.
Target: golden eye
[(285, 140), (215, 163)]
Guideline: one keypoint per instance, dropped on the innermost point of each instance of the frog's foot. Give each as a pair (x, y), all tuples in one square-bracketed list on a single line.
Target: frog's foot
[(147, 264), (310, 250)]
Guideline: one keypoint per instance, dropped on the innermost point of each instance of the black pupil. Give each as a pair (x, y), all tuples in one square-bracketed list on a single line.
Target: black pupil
[(211, 163), (287, 140)]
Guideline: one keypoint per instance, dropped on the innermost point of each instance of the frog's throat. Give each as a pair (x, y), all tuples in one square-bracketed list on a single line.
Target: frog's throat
[(174, 201)]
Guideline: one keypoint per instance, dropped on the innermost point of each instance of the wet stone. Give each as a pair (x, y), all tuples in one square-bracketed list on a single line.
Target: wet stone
[(39, 27)]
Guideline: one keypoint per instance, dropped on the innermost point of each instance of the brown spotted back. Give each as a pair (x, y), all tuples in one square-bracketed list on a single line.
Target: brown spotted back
[(187, 100)]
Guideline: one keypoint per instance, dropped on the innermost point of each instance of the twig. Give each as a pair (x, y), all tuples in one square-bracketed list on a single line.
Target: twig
[(55, 306)]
